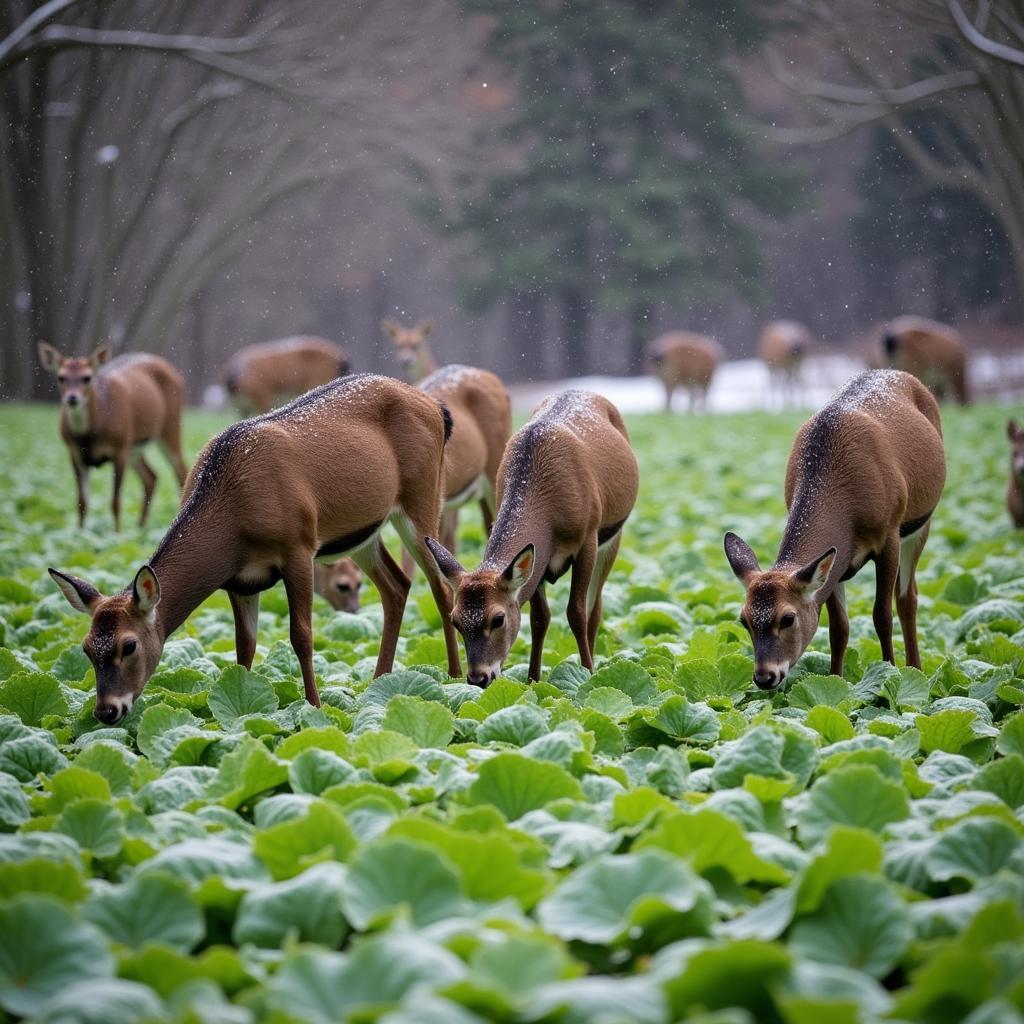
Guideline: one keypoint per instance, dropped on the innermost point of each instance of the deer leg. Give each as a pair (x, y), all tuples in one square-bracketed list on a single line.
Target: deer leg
[(576, 610), (82, 479), (414, 528), (120, 464), (297, 573), (668, 398), (887, 564), (246, 609), (487, 506), (540, 619), (393, 586), (605, 559), (906, 592), (838, 628), (148, 477), (449, 528)]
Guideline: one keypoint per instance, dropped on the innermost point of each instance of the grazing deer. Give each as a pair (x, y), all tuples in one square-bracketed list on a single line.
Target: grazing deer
[(317, 478), (109, 409), (566, 486), (262, 376), (863, 479), (1015, 490), (686, 360), (783, 345), (339, 584), (413, 352), (932, 352)]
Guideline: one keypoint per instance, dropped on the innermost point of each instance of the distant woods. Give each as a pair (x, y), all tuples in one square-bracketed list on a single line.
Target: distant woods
[(554, 184)]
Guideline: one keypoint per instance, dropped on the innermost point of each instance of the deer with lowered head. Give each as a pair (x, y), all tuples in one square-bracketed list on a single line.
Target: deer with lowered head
[(566, 485), (315, 479), (932, 352), (339, 584), (682, 359), (268, 373), (863, 479), (1015, 490), (411, 345), (109, 409)]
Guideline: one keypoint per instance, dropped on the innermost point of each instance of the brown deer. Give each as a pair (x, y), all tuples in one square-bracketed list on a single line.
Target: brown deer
[(863, 479), (566, 486), (317, 478), (109, 409), (783, 344), (413, 351), (267, 374), (339, 584), (1015, 490), (682, 359), (932, 352)]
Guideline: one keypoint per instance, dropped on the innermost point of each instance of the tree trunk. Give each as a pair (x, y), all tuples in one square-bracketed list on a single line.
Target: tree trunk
[(575, 331)]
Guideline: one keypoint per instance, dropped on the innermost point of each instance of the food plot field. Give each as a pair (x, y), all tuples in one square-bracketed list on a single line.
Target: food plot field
[(649, 844)]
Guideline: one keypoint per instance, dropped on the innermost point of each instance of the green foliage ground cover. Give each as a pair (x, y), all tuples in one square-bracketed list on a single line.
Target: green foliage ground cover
[(651, 843)]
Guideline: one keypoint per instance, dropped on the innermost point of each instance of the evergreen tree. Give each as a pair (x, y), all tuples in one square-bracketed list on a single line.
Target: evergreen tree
[(638, 179)]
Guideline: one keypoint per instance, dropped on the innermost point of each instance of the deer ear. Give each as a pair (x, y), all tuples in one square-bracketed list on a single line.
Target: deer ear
[(449, 565), (742, 559), (145, 590), (49, 357), (81, 595), (100, 356), (518, 572), (425, 327), (389, 327), (814, 574)]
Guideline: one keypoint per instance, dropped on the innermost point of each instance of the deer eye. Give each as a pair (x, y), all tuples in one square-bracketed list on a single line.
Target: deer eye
[(744, 623), (343, 587), (128, 648), (498, 621), (87, 380), (62, 378), (787, 620)]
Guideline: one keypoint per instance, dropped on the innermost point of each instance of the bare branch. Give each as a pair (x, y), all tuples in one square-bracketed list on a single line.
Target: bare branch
[(980, 42), (34, 21)]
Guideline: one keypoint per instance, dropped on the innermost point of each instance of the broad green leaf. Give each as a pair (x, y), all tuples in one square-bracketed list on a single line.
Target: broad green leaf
[(412, 684), (947, 730), (314, 770), (1005, 778), (517, 725), (973, 849), (627, 676), (759, 752), (238, 692), (59, 878), (102, 1001), (96, 826), (691, 722), (14, 809), (812, 691), (427, 723), (247, 771), (289, 847), (1011, 736), (516, 784), (148, 908), (44, 948), (858, 796), (849, 851), (32, 696)]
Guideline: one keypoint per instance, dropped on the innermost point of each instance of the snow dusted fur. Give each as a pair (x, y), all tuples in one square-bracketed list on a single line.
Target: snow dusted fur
[(783, 345), (317, 478), (1015, 489), (339, 584), (262, 376), (863, 479), (681, 359), (932, 352), (481, 413), (109, 409), (566, 485)]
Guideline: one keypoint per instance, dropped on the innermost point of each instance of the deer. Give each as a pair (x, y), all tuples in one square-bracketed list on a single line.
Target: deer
[(109, 409), (316, 479), (566, 486), (783, 344), (266, 374), (1015, 489), (931, 351), (686, 360), (339, 584), (413, 351), (864, 477)]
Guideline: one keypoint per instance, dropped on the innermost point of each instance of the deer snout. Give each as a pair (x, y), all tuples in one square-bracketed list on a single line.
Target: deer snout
[(113, 711), (769, 677), (72, 399), (482, 679)]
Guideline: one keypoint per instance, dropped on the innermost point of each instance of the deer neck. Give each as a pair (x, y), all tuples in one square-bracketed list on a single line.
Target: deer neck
[(425, 365), (198, 555), (816, 524), (502, 547)]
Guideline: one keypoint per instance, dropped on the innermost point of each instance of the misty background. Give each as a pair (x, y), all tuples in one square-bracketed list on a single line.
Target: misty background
[(551, 183)]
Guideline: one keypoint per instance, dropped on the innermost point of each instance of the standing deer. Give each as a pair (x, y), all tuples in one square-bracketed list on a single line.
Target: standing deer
[(317, 478), (339, 584), (261, 376), (1015, 490), (109, 409), (863, 479), (685, 360), (783, 345), (566, 486), (932, 352), (413, 351)]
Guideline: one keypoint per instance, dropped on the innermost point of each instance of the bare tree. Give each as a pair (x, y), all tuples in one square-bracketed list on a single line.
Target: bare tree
[(886, 61), (150, 140)]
